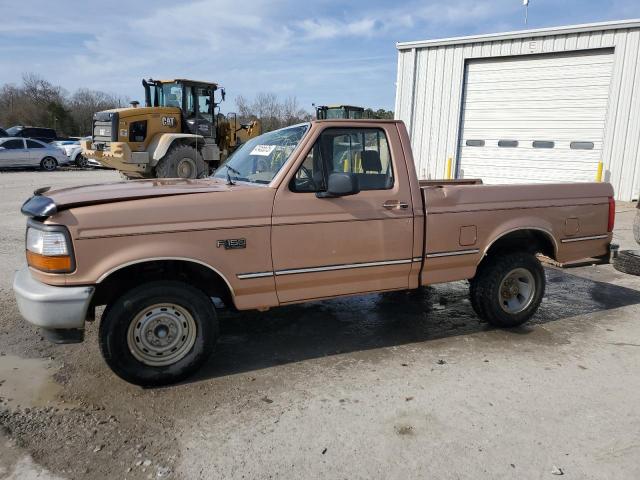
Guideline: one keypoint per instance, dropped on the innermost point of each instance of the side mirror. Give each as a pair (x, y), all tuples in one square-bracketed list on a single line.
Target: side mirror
[(340, 185)]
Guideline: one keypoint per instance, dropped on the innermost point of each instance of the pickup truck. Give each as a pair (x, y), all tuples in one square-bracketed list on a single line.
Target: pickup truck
[(313, 211)]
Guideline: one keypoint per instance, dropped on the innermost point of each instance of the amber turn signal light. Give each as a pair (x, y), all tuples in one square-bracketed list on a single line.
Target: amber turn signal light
[(58, 264)]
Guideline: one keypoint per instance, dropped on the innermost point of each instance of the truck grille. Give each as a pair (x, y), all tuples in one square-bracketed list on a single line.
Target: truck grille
[(102, 131), (105, 128)]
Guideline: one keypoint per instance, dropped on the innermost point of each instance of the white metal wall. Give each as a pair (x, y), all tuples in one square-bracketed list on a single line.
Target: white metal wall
[(430, 90)]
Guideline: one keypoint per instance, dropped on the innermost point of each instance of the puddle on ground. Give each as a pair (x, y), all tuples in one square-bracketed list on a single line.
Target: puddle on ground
[(27, 382)]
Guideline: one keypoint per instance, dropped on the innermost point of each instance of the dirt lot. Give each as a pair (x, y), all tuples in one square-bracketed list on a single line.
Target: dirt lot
[(381, 386)]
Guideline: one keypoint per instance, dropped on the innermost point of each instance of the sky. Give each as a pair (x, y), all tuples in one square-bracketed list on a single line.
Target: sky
[(322, 51)]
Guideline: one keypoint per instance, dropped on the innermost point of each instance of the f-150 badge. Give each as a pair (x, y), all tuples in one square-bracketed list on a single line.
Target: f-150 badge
[(232, 243)]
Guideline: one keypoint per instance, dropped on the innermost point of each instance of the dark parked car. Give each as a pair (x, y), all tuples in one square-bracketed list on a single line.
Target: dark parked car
[(43, 134), (3, 133)]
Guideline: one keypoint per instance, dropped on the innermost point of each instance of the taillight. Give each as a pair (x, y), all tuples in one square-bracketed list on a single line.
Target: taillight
[(612, 214)]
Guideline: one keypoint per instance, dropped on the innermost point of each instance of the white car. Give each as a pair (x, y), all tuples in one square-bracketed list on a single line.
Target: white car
[(73, 150), (27, 152)]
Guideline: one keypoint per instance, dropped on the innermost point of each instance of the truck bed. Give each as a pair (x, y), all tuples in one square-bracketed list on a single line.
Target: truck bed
[(464, 221)]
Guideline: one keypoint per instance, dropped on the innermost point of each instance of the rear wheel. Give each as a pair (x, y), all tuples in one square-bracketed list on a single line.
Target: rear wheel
[(182, 161), (508, 289), (48, 164), (158, 333)]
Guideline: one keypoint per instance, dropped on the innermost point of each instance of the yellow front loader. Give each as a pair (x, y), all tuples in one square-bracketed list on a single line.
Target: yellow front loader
[(178, 133)]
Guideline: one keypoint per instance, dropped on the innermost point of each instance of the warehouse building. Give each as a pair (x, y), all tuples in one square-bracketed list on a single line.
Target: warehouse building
[(543, 105)]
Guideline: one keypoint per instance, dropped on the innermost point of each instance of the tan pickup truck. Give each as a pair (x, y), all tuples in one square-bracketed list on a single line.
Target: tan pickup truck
[(312, 211)]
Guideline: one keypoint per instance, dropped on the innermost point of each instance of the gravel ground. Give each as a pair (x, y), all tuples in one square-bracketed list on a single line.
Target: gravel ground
[(379, 386)]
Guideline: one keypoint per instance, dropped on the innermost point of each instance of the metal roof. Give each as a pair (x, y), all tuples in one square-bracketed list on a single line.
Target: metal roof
[(186, 80), (540, 32)]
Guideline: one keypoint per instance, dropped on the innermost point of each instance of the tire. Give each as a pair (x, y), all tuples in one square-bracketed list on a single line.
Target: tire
[(636, 227), (474, 296), (81, 161), (48, 164), (628, 261), (135, 333), (182, 161), (508, 289)]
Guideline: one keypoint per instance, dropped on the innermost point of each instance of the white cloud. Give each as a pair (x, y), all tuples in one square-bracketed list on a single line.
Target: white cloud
[(320, 51)]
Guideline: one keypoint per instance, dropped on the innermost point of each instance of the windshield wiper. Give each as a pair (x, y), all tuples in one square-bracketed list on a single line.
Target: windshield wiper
[(230, 168)]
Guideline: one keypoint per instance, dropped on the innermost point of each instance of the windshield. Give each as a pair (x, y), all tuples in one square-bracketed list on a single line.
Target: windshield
[(170, 95), (13, 131), (259, 159)]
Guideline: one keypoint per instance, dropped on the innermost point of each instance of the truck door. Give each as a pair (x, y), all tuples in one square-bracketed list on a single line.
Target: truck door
[(332, 246)]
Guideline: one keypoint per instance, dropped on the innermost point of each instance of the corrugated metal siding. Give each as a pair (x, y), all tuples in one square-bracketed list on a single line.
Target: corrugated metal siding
[(430, 89)]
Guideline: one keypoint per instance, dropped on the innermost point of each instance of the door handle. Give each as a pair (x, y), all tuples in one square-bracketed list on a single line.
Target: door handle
[(395, 205)]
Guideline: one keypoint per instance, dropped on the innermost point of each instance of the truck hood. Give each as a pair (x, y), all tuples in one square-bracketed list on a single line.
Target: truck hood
[(47, 202)]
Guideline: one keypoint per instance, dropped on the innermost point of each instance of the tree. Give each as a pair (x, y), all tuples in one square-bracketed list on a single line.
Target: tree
[(381, 113), (84, 103), (39, 103), (271, 112)]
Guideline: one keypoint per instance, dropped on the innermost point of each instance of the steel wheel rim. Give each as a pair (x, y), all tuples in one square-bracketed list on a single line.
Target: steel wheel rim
[(161, 334), (82, 162), (186, 168), (49, 163), (517, 290)]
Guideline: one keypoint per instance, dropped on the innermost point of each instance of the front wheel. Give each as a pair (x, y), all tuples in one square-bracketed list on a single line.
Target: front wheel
[(158, 333), (182, 161), (508, 289), (49, 164), (81, 161)]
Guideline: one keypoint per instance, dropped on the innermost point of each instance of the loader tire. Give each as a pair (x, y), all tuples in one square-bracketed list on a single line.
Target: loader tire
[(182, 161)]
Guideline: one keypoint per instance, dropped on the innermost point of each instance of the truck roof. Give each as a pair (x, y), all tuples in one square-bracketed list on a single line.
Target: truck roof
[(357, 120)]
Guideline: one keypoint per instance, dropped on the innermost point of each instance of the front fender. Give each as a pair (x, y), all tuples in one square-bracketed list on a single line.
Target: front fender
[(162, 142)]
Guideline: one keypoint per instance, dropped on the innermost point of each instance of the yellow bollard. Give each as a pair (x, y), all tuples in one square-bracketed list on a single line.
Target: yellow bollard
[(599, 174), (449, 164)]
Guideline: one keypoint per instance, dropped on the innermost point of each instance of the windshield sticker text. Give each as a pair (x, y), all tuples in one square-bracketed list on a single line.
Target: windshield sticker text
[(263, 150)]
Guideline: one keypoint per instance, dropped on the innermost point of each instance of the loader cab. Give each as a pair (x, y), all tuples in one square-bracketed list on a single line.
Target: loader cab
[(196, 100), (331, 112)]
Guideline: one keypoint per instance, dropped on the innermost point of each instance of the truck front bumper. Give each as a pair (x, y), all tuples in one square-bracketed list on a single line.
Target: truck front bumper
[(59, 311)]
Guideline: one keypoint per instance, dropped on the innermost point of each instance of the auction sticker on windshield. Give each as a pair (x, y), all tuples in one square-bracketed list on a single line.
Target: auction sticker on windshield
[(263, 150)]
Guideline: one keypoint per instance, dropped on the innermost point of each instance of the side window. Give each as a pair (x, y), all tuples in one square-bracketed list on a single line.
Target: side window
[(310, 177), (364, 152), (13, 144), (361, 151), (581, 145), (34, 144)]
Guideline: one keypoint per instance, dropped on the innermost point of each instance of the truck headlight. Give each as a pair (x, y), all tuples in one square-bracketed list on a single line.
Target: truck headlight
[(49, 249)]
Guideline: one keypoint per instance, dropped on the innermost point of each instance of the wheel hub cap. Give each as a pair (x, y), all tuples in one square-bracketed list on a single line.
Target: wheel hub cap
[(161, 334), (517, 290), (186, 168)]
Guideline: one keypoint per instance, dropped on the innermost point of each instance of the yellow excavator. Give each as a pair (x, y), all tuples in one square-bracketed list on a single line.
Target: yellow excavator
[(177, 134)]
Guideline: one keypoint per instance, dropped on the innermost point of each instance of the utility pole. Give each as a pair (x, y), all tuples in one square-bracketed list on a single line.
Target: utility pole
[(525, 3)]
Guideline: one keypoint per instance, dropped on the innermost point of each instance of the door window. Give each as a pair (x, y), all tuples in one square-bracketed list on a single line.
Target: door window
[(361, 151), (13, 144), (34, 144)]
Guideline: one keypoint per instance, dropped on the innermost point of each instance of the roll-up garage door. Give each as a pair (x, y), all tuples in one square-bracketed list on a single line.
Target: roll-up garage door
[(536, 118)]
